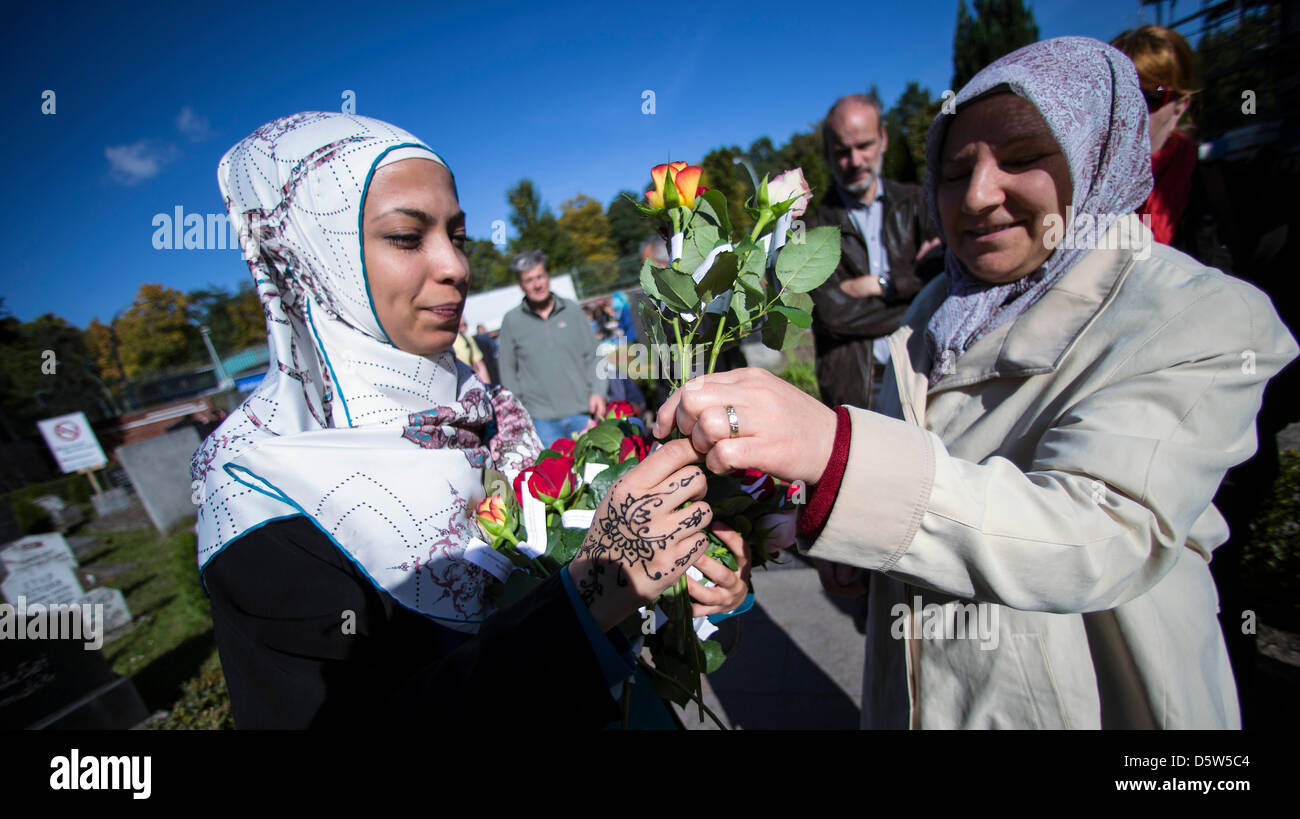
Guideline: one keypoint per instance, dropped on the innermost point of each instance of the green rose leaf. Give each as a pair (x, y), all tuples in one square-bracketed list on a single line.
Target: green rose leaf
[(570, 543), (601, 483), (676, 289), (717, 208), (648, 281), (779, 333), (605, 436), (713, 656), (802, 267), (696, 246), (720, 278), (796, 317)]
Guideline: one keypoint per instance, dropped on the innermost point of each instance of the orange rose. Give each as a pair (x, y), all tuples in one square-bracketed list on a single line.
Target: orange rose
[(686, 184)]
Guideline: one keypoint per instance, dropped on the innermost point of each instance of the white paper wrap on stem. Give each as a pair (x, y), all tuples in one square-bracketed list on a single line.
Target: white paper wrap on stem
[(578, 518), (534, 513), (489, 559), (703, 628)]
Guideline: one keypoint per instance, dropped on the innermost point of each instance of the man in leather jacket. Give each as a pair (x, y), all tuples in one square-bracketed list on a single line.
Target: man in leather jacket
[(888, 251)]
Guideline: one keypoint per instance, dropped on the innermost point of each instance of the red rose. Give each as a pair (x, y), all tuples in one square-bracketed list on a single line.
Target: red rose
[(552, 480), (619, 409), (759, 485), (519, 482), (633, 446), (564, 446)]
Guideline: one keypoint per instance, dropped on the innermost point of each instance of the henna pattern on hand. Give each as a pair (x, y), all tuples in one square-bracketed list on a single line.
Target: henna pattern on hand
[(622, 537)]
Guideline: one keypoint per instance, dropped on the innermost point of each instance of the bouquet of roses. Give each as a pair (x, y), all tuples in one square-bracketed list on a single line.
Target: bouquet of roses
[(713, 293)]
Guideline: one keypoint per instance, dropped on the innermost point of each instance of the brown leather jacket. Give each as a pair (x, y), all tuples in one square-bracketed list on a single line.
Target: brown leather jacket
[(845, 326)]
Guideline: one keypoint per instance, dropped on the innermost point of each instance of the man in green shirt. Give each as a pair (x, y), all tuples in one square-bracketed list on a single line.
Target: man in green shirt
[(548, 354)]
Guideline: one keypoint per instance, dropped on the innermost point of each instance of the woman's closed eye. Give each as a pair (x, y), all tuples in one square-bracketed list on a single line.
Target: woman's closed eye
[(1025, 160), (405, 241)]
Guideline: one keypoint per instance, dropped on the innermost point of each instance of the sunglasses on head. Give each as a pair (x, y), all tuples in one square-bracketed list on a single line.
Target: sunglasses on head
[(1158, 98)]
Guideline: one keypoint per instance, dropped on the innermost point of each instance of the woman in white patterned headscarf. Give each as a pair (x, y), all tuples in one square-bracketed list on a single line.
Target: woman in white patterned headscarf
[(1032, 497), (336, 505)]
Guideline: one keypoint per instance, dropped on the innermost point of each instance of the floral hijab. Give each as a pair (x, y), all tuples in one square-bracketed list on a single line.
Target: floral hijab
[(1088, 94), (382, 449)]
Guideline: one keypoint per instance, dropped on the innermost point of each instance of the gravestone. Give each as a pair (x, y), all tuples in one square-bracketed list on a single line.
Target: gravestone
[(52, 581), (34, 549), (160, 470), (60, 684), (116, 614), (111, 501), (63, 514)]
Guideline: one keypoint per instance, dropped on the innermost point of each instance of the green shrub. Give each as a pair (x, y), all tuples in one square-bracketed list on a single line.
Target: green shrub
[(73, 488), (802, 374), (1270, 561), (30, 517), (185, 571), (204, 703)]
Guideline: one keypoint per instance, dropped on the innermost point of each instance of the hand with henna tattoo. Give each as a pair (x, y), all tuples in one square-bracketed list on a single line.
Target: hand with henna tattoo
[(640, 542)]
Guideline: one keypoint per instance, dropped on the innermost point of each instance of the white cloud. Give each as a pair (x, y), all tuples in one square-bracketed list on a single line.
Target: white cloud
[(134, 163), (193, 125)]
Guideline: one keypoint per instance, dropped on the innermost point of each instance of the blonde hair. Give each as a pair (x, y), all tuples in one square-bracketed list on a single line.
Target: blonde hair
[(1162, 57)]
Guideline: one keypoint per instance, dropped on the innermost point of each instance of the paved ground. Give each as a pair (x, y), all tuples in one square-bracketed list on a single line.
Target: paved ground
[(798, 663)]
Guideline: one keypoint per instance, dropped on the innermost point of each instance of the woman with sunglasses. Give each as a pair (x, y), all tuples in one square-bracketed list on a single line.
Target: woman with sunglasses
[(1165, 67)]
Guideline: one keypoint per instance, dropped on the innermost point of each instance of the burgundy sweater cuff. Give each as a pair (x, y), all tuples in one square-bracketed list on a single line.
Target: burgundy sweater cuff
[(824, 493)]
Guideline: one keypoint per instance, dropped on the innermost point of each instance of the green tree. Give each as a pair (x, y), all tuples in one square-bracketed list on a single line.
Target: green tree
[(804, 150), (1243, 56), (908, 122), (155, 332), (235, 319), (721, 173), (628, 228), (47, 369), (583, 219), (997, 28), (536, 228), (488, 266)]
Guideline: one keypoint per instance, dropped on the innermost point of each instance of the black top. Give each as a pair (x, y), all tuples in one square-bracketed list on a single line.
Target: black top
[(294, 657)]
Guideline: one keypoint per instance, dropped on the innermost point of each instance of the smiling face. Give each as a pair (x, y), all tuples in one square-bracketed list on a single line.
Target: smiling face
[(413, 235), (1002, 176)]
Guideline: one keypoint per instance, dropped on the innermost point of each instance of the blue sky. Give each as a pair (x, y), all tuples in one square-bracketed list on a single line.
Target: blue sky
[(149, 96)]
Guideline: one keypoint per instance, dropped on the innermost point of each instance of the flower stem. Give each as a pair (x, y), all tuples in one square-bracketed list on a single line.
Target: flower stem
[(681, 360), (699, 700), (717, 342)]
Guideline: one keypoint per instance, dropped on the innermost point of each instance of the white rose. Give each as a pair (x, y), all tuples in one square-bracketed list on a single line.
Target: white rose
[(790, 185)]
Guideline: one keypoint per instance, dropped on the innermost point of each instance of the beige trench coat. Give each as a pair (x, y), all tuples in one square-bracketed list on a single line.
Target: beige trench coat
[(1063, 474)]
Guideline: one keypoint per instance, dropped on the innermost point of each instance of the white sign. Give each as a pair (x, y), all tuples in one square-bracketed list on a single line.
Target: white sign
[(46, 583), (73, 442), (34, 549), (115, 614)]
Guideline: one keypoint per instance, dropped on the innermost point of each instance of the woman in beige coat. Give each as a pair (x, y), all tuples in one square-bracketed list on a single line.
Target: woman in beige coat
[(1033, 496)]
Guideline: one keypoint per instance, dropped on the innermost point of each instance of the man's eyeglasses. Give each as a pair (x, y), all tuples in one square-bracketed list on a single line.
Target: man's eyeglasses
[(1158, 98)]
